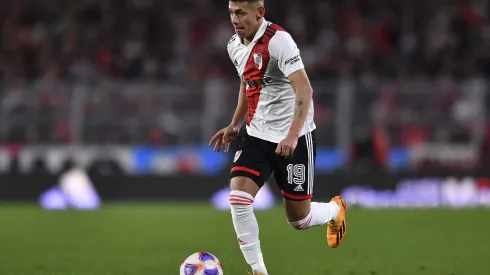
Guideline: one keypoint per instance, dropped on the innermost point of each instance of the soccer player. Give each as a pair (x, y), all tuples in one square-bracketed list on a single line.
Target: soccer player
[(275, 101)]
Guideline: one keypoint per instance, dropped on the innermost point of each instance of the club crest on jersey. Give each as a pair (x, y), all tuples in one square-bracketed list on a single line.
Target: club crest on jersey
[(258, 60), (237, 155)]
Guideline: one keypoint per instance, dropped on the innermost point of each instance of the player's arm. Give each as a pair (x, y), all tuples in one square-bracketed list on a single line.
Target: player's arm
[(285, 51), (241, 111), (304, 92), (225, 136)]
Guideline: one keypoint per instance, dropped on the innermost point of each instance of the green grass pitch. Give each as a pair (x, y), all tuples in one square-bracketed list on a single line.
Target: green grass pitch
[(154, 239)]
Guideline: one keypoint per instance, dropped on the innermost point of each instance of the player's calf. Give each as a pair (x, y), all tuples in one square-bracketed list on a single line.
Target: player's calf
[(298, 213)]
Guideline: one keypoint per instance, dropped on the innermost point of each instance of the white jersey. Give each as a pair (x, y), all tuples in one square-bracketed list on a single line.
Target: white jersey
[(264, 65)]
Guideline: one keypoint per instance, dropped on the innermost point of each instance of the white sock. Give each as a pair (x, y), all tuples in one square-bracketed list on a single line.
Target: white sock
[(247, 229), (320, 214)]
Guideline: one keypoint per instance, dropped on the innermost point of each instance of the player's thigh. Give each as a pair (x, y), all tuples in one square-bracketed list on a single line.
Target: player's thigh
[(295, 177), (251, 167)]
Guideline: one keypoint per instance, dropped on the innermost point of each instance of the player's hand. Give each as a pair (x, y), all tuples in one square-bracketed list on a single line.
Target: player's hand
[(224, 137), (287, 146)]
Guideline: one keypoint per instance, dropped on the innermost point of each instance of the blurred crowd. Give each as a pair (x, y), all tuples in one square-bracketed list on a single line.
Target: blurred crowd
[(150, 39), (68, 68)]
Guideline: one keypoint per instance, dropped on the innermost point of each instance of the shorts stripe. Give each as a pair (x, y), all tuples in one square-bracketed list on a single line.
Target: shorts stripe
[(311, 168), (295, 197), (245, 169)]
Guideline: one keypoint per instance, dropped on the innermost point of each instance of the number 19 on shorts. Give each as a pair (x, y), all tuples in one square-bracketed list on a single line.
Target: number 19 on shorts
[(296, 173)]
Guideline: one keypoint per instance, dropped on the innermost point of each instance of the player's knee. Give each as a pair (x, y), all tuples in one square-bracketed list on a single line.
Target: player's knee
[(244, 184)]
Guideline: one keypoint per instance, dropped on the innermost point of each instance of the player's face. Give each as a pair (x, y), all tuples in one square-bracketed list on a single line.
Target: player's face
[(245, 17)]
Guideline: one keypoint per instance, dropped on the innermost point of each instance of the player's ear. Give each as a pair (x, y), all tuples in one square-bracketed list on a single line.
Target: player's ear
[(260, 12)]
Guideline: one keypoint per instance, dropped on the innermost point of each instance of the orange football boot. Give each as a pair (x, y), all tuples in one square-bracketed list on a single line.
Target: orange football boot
[(337, 228)]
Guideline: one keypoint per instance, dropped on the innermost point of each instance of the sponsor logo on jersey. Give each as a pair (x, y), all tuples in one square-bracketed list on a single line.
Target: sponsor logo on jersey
[(268, 80), (256, 83), (292, 60)]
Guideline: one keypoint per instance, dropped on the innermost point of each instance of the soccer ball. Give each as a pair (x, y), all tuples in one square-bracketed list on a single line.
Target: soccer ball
[(201, 263)]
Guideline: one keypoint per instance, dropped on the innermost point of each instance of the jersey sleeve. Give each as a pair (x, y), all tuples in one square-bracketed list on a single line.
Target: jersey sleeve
[(229, 47), (283, 48), (230, 50)]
